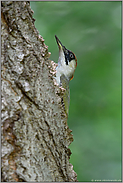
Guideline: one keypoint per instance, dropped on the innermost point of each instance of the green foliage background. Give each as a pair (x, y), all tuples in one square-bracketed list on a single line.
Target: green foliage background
[(92, 30)]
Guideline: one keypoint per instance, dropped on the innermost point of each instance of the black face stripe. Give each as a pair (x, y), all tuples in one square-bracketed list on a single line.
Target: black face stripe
[(69, 55)]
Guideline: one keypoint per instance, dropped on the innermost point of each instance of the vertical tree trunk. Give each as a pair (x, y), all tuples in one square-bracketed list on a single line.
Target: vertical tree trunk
[(35, 135)]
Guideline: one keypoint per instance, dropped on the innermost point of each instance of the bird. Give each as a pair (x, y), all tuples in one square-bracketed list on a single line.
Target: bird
[(67, 64)]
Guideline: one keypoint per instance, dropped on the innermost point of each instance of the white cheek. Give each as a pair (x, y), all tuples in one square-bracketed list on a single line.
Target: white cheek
[(61, 60), (67, 70)]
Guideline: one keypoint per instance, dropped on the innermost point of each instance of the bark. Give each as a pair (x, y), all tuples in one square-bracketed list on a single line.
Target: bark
[(35, 135)]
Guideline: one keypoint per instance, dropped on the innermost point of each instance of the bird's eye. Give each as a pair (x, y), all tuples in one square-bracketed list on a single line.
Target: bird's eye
[(71, 55)]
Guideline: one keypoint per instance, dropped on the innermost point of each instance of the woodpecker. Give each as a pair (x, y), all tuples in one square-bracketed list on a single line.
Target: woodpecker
[(67, 64)]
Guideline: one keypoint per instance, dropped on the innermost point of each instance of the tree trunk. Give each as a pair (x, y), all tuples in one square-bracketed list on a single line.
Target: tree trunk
[(35, 135)]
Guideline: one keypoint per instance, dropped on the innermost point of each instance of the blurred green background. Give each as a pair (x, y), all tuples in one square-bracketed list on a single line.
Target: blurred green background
[(92, 30)]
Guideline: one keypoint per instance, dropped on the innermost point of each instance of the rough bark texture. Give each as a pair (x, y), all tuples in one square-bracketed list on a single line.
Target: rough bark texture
[(35, 135)]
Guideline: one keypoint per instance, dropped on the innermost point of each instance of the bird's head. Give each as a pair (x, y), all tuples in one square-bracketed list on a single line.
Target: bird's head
[(67, 61)]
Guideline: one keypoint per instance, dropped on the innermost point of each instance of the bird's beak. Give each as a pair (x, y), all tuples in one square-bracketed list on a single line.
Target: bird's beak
[(60, 45)]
